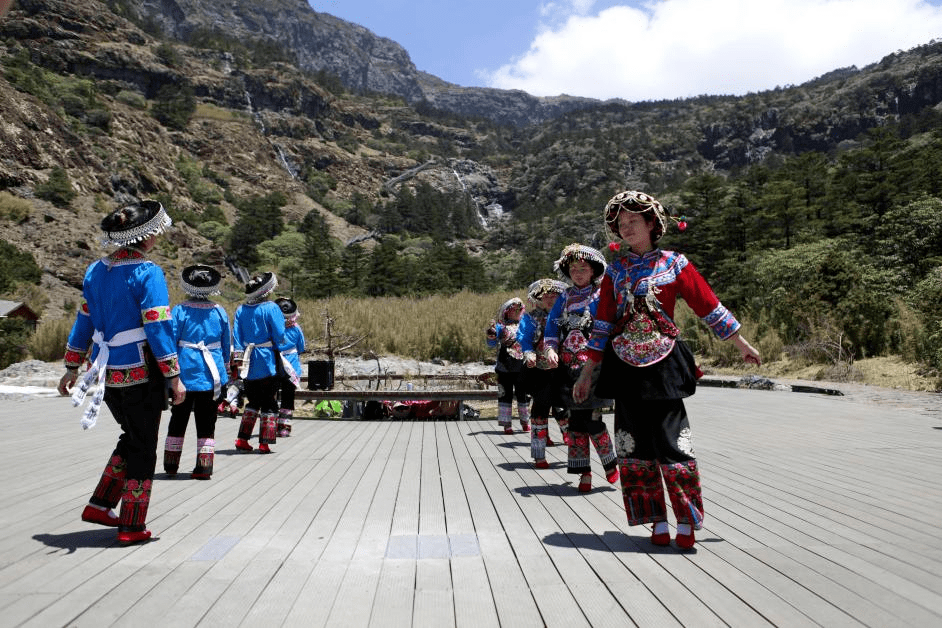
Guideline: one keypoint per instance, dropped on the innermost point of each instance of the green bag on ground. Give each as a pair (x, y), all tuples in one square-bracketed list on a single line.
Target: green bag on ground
[(328, 408)]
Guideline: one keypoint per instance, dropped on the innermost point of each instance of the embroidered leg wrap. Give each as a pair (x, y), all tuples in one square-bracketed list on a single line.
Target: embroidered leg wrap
[(523, 411), (172, 450), (284, 422), (642, 491), (538, 438), (683, 487), (134, 502), (248, 423), (578, 462), (504, 413), (205, 452), (267, 432), (108, 492), (603, 445)]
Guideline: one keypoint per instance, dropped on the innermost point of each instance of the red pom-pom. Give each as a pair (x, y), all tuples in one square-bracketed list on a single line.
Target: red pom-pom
[(613, 246), (682, 226)]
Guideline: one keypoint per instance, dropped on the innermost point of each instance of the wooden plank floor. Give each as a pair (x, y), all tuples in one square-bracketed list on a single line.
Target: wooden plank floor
[(821, 511)]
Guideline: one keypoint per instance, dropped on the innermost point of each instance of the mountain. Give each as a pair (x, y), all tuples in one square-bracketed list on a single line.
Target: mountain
[(207, 105), (363, 61)]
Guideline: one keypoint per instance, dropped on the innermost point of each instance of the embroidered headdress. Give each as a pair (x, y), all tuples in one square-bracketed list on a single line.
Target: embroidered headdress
[(135, 223), (541, 287), (575, 252), (636, 203), (289, 308), (200, 281), (259, 287), (507, 305)]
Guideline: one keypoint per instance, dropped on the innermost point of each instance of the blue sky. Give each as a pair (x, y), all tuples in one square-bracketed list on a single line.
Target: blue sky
[(642, 50)]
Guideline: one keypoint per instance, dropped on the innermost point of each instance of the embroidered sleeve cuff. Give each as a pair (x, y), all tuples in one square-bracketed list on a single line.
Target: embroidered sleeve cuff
[(73, 359), (551, 343), (722, 322), (169, 366), (156, 314), (597, 343)]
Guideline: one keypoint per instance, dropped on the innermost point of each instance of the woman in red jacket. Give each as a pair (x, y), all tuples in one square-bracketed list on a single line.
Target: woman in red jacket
[(648, 369)]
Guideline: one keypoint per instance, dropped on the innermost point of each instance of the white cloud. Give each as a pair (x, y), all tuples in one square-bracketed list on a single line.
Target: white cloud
[(681, 48)]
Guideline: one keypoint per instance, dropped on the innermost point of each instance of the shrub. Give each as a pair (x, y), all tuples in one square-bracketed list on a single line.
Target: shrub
[(57, 189), (48, 343), (13, 208)]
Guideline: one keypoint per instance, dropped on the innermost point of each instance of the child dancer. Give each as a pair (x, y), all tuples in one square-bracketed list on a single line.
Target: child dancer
[(124, 328), (258, 331), (502, 333), (648, 369), (203, 345), (538, 378), (567, 329), (293, 345)]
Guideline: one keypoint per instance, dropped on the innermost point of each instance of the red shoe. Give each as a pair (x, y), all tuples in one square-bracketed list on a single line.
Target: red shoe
[(541, 464), (524, 426), (200, 476), (243, 444), (585, 483), (99, 516), (508, 430), (128, 538), (263, 449), (549, 442), (612, 475), (661, 539), (685, 541)]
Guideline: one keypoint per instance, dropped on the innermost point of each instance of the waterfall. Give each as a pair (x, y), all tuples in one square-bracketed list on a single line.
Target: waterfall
[(260, 123)]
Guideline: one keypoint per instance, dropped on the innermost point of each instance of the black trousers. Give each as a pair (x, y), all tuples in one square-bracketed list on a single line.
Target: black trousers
[(262, 394), (137, 410), (509, 388), (203, 406), (659, 430), (287, 394)]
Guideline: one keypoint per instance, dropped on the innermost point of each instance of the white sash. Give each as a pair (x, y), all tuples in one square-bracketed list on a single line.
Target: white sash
[(247, 361), (208, 358), (98, 370)]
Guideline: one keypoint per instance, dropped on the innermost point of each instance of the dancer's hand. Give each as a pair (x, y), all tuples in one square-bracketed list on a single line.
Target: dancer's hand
[(178, 390), (552, 359), (583, 385), (67, 381), (749, 353)]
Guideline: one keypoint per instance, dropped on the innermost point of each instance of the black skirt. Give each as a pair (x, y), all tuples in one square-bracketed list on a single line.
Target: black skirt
[(674, 377)]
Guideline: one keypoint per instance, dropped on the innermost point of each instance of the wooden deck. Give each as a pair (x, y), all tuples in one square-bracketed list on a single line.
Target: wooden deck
[(821, 511)]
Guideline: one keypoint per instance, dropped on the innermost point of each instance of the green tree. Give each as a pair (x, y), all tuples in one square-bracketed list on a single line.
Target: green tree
[(353, 268), (174, 105), (16, 267), (825, 284), (14, 339), (259, 219), (318, 272), (909, 240), (387, 274)]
